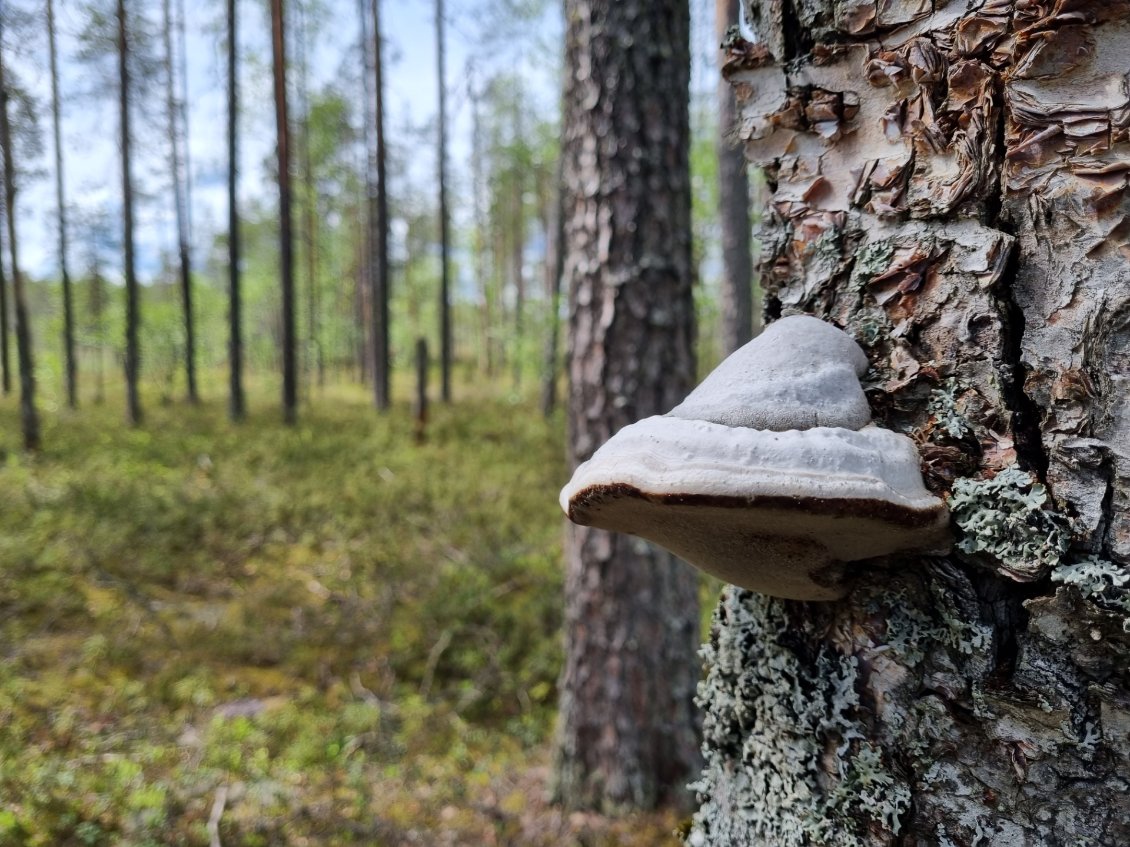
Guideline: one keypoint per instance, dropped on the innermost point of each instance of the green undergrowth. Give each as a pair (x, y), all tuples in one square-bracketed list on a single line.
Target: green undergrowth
[(323, 634)]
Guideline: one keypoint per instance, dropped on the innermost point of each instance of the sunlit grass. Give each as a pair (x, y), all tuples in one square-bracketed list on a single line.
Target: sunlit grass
[(331, 632)]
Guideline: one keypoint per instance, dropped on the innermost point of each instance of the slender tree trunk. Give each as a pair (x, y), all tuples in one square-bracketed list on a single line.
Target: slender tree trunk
[(517, 264), (286, 240), (236, 404), (554, 270), (444, 285), (69, 360), (5, 363), (178, 180), (309, 205), (953, 193), (133, 305), (481, 237), (733, 207), (627, 725), (378, 212), (29, 416)]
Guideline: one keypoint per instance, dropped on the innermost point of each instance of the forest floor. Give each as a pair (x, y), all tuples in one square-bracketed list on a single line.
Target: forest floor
[(262, 635)]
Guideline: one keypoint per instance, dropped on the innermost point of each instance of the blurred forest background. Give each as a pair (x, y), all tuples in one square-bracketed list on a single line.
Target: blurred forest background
[(254, 590)]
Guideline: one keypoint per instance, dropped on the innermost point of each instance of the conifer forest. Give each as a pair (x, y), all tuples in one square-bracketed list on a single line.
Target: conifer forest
[(311, 309)]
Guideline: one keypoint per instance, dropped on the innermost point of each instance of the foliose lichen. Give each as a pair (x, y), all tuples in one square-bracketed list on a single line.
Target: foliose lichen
[(1008, 520), (1102, 582), (780, 718), (943, 406)]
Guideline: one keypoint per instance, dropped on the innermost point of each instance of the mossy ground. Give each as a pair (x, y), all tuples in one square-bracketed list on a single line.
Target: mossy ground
[(323, 634)]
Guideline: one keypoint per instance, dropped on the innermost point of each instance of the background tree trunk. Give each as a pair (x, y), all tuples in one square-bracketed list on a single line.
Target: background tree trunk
[(133, 294), (627, 726), (236, 403), (29, 415), (286, 238), (441, 155), (378, 216), (69, 361), (179, 179), (955, 197), (733, 206)]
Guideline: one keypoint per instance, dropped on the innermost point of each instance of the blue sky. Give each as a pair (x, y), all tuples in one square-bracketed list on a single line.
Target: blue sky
[(90, 119)]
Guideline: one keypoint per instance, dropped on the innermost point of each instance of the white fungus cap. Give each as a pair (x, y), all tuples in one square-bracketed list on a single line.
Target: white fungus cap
[(778, 511)]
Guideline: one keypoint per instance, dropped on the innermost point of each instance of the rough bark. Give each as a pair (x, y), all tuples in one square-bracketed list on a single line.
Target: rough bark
[(627, 725), (441, 156), (133, 291), (69, 362), (236, 402), (733, 206), (378, 217), (949, 185), (286, 238), (29, 415), (179, 179)]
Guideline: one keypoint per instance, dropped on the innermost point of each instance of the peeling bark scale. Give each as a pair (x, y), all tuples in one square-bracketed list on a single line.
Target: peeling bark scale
[(949, 184)]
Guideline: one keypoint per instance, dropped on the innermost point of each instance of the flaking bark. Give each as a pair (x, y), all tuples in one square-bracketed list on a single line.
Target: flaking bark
[(949, 185)]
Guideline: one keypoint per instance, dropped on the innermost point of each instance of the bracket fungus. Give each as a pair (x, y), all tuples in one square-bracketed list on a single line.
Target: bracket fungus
[(770, 475)]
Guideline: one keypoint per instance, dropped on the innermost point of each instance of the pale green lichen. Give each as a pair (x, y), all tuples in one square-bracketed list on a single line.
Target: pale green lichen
[(776, 717), (1007, 519), (943, 406), (1102, 582)]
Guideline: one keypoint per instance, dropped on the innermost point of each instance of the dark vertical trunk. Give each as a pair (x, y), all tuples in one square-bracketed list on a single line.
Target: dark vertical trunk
[(133, 304), (420, 406), (554, 270), (29, 416), (178, 179), (379, 213), (733, 206), (68, 309), (948, 183), (444, 285), (236, 404), (286, 243), (627, 726), (5, 319)]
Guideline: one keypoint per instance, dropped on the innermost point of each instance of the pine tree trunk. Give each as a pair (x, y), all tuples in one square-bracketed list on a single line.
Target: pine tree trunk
[(29, 416), (445, 283), (733, 206), (286, 236), (236, 403), (378, 215), (627, 726), (70, 363), (954, 195), (133, 293), (178, 180)]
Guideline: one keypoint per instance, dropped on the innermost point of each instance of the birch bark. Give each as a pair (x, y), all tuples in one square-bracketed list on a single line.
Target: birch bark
[(948, 183)]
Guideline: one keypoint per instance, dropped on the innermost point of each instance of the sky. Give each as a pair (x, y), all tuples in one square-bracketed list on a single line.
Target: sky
[(90, 118)]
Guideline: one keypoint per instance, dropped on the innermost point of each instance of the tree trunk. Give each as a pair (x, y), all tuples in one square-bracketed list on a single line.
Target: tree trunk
[(733, 206), (312, 358), (178, 180), (444, 285), (5, 362), (69, 361), (286, 239), (478, 182), (133, 304), (627, 725), (954, 197), (236, 404), (554, 270), (29, 416), (378, 214)]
